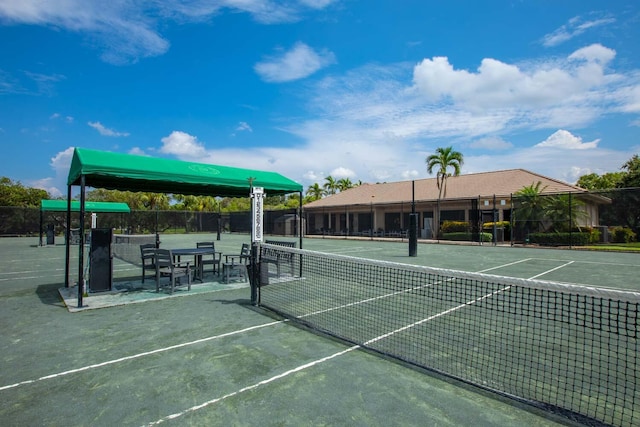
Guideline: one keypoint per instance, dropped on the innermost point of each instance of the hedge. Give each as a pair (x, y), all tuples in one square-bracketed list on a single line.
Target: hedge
[(465, 236), (560, 239), (454, 227)]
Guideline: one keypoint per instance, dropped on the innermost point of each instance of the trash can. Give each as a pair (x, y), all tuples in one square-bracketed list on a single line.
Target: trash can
[(100, 260), (51, 235)]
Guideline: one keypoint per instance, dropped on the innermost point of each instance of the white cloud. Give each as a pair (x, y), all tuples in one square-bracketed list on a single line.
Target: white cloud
[(104, 131), (126, 31), (317, 4), (137, 151), (575, 27), (183, 145), (299, 62), (342, 172), (490, 143), (61, 162), (566, 140), (46, 184), (412, 174), (55, 116), (244, 126), (497, 85), (312, 176)]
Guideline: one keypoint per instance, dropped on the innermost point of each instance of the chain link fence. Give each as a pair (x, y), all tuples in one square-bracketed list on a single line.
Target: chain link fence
[(562, 219), (16, 221)]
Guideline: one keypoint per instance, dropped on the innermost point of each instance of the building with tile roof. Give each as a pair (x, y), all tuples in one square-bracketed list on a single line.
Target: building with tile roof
[(383, 209)]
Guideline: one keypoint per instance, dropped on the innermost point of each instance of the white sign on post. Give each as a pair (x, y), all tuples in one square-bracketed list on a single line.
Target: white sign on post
[(257, 194)]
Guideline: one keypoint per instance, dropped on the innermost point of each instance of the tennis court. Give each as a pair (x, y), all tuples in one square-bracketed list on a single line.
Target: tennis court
[(211, 358)]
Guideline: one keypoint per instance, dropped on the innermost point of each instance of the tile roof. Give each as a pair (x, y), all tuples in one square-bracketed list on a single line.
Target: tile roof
[(500, 183)]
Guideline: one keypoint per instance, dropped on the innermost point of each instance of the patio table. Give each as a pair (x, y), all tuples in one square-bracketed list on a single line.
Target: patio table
[(197, 253)]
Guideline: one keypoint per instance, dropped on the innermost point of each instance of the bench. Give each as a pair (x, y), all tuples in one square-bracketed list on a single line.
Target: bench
[(273, 256)]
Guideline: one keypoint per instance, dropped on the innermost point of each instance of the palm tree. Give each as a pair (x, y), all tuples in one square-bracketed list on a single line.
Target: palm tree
[(315, 192), (530, 207), (331, 185), (344, 184), (442, 160)]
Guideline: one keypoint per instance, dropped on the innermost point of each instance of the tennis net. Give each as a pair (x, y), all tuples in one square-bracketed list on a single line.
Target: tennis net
[(127, 246), (568, 349)]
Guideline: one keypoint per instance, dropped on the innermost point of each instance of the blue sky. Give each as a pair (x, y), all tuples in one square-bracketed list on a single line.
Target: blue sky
[(356, 89)]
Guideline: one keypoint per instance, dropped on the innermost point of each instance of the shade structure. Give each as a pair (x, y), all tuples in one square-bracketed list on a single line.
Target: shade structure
[(115, 171), (61, 206), (103, 169)]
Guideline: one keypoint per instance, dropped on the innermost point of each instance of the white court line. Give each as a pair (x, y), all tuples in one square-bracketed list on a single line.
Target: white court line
[(72, 273), (340, 353), (553, 269), (253, 386), (358, 249), (139, 355), (616, 264)]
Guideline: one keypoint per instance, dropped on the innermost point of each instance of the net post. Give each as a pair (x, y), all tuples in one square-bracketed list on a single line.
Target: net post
[(413, 234), (254, 274)]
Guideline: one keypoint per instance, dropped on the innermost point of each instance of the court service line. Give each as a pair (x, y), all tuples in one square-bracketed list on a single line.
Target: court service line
[(333, 356), (139, 355)]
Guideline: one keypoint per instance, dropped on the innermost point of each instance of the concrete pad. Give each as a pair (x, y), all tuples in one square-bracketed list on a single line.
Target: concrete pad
[(134, 291)]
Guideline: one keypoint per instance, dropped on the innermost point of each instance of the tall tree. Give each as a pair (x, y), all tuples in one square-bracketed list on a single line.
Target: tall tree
[(607, 181), (15, 194), (631, 177), (344, 184), (443, 160), (315, 192), (330, 185), (529, 207)]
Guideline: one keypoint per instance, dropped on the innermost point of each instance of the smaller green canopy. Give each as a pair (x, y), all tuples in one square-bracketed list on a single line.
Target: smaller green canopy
[(61, 206)]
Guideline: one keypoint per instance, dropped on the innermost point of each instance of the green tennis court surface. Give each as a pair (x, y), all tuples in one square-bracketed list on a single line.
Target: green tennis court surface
[(210, 358)]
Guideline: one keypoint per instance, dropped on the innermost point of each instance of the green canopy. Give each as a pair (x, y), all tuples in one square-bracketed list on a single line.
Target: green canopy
[(103, 169), (61, 206)]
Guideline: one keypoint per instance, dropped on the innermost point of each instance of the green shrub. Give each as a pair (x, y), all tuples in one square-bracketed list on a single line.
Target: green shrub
[(622, 235), (454, 227), (594, 235), (506, 225), (465, 236), (499, 224), (560, 239)]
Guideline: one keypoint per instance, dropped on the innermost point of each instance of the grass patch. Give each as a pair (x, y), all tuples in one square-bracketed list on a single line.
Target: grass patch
[(622, 247)]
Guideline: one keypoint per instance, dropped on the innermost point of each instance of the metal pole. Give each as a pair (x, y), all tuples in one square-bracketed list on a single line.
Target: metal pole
[(570, 223), (511, 220), (81, 248), (300, 225), (219, 221), (413, 224), (495, 219), (372, 218), (67, 235), (157, 234), (41, 220)]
